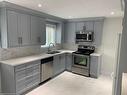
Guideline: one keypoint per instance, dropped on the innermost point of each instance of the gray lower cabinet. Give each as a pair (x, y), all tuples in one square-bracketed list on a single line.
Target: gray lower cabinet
[(62, 62), (18, 79), (68, 61), (58, 64), (95, 65)]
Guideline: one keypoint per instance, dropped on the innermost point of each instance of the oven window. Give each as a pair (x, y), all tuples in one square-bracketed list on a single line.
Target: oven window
[(82, 61)]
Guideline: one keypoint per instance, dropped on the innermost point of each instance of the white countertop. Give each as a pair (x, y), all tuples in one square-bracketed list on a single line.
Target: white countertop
[(95, 54), (23, 60)]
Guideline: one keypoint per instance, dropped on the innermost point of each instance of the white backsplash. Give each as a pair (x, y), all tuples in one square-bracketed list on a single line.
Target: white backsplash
[(73, 46), (22, 51), (70, 46)]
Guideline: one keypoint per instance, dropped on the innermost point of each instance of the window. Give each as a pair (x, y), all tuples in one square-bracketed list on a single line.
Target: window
[(50, 34)]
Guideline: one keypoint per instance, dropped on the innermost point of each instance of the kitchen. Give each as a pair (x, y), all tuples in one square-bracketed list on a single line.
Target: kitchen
[(33, 42)]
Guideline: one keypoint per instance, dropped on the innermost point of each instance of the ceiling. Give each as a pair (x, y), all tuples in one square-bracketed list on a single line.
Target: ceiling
[(74, 8)]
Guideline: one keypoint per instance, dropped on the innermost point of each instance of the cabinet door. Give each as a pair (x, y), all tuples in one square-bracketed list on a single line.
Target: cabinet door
[(34, 30), (89, 25), (98, 31), (62, 62), (56, 65), (27, 76), (68, 62), (79, 26), (70, 29), (24, 28), (42, 32), (21, 86), (38, 32), (58, 34), (12, 21), (95, 65)]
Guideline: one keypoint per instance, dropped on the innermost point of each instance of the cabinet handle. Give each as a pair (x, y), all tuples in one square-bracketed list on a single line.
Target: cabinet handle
[(18, 40), (21, 39), (38, 39)]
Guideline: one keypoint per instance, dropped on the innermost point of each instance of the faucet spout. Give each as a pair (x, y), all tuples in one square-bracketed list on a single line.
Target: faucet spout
[(49, 48)]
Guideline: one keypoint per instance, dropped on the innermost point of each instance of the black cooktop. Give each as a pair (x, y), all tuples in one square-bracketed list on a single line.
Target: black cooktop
[(85, 50)]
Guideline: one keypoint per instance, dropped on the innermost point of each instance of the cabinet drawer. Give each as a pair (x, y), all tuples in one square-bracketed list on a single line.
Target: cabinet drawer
[(31, 64), (20, 85), (29, 71), (29, 81), (36, 69), (20, 74), (20, 67), (36, 79)]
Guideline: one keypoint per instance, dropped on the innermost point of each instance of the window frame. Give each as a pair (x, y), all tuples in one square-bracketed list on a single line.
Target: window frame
[(54, 25)]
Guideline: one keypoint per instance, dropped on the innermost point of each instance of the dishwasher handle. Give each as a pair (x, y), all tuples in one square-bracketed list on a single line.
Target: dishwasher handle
[(46, 60)]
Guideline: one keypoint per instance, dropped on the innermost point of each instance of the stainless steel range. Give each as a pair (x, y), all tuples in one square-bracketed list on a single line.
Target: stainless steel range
[(81, 60)]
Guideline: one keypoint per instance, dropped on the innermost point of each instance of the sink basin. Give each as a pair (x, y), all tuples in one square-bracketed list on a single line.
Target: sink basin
[(53, 52)]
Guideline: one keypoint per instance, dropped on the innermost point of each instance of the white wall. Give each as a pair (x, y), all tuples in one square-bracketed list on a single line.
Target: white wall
[(122, 68), (112, 26)]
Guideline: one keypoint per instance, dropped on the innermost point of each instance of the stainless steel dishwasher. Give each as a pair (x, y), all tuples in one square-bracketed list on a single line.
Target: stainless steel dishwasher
[(46, 68)]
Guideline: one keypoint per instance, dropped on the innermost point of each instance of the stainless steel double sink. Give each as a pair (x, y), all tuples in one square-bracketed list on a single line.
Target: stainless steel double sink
[(53, 52)]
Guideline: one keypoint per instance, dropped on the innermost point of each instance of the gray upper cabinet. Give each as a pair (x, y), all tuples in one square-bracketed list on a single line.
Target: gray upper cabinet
[(12, 27), (70, 29), (24, 29), (98, 31), (38, 31), (79, 26), (59, 32), (20, 29), (88, 24), (17, 28), (95, 25)]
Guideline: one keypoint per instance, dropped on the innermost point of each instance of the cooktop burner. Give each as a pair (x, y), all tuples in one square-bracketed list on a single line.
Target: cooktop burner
[(85, 50)]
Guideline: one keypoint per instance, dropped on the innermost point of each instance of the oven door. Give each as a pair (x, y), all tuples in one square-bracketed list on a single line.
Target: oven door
[(81, 61)]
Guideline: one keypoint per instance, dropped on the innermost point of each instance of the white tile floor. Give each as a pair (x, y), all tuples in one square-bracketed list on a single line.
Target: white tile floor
[(72, 84)]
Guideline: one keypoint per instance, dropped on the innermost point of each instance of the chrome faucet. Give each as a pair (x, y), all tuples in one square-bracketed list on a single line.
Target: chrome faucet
[(50, 46)]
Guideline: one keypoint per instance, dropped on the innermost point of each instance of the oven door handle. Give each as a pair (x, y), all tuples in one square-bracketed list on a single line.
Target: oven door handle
[(81, 55)]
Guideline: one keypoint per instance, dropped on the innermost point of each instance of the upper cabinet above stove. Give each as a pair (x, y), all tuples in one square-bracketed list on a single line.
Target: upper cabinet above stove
[(88, 24), (91, 24)]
